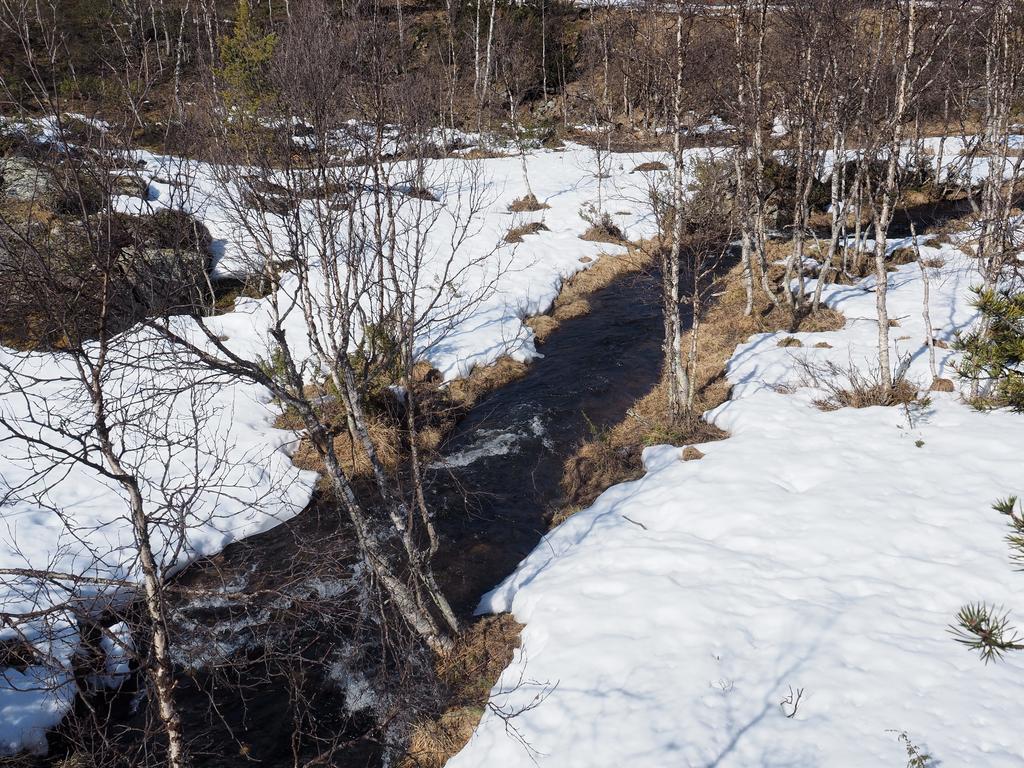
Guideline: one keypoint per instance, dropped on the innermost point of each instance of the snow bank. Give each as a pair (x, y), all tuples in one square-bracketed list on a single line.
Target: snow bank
[(61, 516), (529, 274), (826, 552)]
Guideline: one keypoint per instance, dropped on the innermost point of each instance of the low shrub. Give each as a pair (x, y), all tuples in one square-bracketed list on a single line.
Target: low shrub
[(527, 203), (851, 387)]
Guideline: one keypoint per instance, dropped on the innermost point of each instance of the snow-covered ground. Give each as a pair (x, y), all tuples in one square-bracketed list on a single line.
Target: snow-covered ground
[(811, 552), (529, 274), (73, 520), (742, 518)]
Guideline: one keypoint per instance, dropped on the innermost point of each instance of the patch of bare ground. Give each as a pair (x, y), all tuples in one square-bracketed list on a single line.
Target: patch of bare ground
[(527, 203), (516, 234), (467, 673), (650, 166), (614, 456), (605, 231)]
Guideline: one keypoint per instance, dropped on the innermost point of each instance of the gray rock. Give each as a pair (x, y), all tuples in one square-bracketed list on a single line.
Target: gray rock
[(25, 181), (129, 183), (168, 279)]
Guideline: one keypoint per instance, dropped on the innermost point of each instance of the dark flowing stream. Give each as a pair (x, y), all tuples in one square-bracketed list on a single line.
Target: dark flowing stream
[(503, 464)]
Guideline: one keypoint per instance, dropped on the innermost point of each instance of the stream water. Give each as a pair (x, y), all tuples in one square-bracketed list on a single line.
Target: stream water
[(501, 473)]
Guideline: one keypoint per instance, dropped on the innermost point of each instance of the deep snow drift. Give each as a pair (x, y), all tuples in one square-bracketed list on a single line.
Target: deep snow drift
[(72, 520), (822, 552)]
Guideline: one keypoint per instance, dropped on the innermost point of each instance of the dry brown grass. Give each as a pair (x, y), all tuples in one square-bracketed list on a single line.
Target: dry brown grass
[(485, 379), (542, 326), (568, 309), (437, 413), (902, 256), (649, 166), (516, 234), (614, 455), (468, 672), (851, 387), (384, 432), (790, 341), (604, 272), (18, 213), (527, 203), (953, 226), (604, 234), (913, 197)]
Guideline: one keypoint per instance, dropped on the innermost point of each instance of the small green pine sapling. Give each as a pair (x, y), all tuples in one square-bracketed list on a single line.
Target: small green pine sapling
[(993, 354), (987, 628)]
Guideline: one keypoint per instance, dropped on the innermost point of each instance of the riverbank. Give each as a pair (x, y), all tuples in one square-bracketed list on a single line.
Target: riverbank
[(613, 456)]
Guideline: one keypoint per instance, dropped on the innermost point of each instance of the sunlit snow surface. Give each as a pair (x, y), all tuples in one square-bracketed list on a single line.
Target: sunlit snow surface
[(822, 551)]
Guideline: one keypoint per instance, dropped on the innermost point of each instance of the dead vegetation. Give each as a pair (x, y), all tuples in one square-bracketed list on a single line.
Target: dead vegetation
[(572, 298), (484, 379), (606, 231), (517, 233), (527, 203), (650, 166), (851, 387), (467, 672)]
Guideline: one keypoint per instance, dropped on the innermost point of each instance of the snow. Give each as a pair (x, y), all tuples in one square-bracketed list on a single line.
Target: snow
[(813, 551), (528, 275), (71, 519)]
